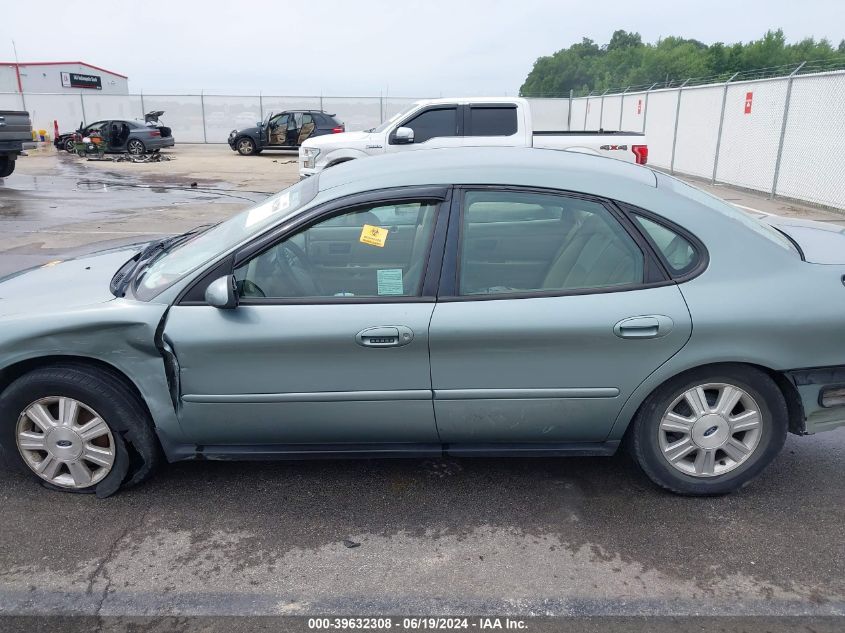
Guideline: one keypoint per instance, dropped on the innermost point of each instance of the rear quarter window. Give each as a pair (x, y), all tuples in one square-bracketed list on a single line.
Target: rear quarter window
[(678, 252)]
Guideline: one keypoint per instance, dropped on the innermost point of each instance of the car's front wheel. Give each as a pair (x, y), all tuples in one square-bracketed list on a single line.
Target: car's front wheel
[(77, 429), (246, 146), (69, 145), (710, 431)]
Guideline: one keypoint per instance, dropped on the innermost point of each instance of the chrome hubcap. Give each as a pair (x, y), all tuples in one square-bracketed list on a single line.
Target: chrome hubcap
[(65, 442), (710, 429), (135, 147), (245, 147)]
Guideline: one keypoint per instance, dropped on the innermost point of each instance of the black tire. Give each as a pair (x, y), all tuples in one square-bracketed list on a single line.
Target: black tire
[(69, 145), (7, 166), (136, 147), (643, 439), (245, 146), (137, 447)]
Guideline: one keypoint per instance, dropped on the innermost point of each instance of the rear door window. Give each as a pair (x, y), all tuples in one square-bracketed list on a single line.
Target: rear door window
[(526, 243), (492, 121)]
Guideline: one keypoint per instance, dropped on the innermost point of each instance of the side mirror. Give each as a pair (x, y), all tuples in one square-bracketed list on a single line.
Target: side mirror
[(259, 123), (403, 136), (222, 293)]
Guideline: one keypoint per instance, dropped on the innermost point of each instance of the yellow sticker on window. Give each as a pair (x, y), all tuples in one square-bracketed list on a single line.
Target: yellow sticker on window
[(374, 235)]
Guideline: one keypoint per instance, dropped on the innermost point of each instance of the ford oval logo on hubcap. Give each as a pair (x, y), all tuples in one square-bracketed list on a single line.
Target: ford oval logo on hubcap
[(711, 431), (64, 443)]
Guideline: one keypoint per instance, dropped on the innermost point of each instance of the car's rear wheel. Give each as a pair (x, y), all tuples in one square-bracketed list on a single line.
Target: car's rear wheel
[(135, 147), (246, 146), (77, 429), (710, 431)]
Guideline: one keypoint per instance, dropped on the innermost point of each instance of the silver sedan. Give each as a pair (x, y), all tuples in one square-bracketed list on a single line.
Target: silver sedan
[(465, 302)]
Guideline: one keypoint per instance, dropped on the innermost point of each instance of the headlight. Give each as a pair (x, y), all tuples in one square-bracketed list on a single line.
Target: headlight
[(309, 155)]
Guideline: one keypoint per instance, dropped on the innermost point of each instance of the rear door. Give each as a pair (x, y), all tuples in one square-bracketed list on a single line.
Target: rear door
[(553, 309)]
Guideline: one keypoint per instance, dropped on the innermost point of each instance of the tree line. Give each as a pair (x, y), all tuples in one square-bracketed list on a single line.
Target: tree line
[(628, 61)]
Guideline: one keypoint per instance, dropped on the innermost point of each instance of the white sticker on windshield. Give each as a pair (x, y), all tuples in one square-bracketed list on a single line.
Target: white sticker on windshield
[(390, 281), (264, 211)]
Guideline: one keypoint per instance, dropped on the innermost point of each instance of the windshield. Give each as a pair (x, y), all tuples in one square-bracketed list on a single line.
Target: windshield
[(394, 118), (172, 265)]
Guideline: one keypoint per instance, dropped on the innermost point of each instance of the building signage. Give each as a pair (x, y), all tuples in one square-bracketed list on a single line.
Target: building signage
[(75, 80)]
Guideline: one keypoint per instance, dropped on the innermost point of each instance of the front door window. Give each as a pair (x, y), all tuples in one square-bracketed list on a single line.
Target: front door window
[(378, 251)]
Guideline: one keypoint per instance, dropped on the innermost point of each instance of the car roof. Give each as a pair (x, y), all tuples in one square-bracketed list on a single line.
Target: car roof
[(519, 166)]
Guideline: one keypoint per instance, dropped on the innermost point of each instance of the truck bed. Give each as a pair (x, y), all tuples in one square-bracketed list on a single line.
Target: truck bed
[(585, 133), (15, 127)]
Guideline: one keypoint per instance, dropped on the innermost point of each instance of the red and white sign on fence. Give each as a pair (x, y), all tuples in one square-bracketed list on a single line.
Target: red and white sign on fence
[(749, 97)]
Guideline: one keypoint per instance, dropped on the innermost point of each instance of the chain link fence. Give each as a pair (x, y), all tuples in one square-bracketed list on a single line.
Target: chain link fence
[(202, 118), (775, 130)]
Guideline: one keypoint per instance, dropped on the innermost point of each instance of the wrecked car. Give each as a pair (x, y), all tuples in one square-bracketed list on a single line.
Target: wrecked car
[(463, 302), (283, 130), (119, 135)]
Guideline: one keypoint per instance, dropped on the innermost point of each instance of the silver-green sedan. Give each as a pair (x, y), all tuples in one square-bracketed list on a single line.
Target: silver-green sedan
[(464, 302)]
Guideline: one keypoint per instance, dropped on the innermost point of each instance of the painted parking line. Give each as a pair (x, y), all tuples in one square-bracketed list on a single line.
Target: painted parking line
[(742, 206)]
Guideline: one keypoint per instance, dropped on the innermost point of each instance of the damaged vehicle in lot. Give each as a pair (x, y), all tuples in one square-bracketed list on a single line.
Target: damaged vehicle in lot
[(119, 135), (464, 302), (283, 130)]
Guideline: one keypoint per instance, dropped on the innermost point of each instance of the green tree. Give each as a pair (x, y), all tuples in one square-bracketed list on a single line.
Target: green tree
[(627, 61)]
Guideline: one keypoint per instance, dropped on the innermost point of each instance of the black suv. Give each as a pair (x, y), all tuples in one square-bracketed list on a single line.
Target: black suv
[(285, 130)]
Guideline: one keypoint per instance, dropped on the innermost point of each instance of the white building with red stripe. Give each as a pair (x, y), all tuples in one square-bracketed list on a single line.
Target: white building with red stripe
[(61, 78)]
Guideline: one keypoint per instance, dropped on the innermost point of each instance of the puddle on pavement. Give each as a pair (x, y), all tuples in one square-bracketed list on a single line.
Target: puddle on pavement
[(72, 192)]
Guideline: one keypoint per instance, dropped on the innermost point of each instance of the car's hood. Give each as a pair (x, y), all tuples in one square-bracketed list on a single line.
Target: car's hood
[(249, 131), (63, 285), (821, 242), (351, 140)]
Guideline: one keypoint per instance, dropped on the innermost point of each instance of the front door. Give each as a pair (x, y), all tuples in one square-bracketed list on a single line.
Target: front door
[(555, 317), (435, 127), (277, 129), (329, 343)]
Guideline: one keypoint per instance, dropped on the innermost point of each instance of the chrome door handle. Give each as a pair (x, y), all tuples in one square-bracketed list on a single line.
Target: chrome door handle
[(652, 326), (385, 336)]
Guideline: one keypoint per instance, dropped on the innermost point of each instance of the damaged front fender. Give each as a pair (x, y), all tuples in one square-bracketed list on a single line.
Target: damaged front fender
[(120, 333)]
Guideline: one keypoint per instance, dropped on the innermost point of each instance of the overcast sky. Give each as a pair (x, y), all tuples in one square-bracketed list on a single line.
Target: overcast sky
[(364, 47)]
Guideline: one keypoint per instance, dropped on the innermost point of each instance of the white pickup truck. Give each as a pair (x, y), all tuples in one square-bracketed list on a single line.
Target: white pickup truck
[(487, 121)]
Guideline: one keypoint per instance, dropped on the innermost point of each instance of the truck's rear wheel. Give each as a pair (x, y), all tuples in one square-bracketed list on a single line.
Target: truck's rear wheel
[(7, 166)]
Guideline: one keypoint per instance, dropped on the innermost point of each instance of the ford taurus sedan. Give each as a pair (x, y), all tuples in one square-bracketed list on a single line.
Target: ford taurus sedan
[(505, 302)]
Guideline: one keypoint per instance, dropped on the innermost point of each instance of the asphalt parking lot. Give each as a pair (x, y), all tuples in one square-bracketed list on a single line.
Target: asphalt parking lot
[(580, 536)]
